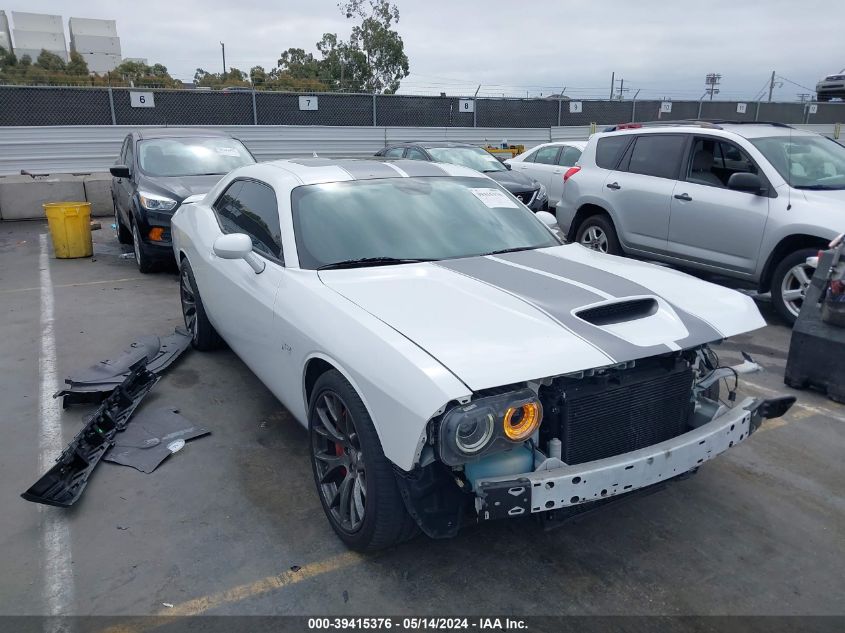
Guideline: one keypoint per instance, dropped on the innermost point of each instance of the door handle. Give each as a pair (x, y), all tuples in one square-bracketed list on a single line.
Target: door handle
[(683, 196), (558, 171), (614, 185)]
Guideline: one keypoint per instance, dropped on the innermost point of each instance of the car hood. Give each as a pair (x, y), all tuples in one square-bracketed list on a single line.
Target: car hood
[(179, 187), (513, 180), (509, 318)]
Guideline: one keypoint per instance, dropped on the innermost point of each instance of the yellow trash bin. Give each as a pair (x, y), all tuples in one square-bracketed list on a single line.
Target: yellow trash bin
[(70, 228)]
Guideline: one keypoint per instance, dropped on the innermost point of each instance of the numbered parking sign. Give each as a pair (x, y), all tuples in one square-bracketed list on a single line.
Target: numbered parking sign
[(741, 108), (466, 105), (666, 106), (814, 108), (142, 100), (575, 107), (308, 103)]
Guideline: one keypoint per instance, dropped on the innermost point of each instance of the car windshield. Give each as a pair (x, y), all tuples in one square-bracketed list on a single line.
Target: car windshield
[(192, 156), (805, 162), (472, 157), (410, 219)]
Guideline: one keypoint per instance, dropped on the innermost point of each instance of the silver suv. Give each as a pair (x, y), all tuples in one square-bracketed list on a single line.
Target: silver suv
[(749, 201)]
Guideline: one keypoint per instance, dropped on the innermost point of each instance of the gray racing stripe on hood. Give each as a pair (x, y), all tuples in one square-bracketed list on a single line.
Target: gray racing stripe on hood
[(699, 330), (556, 298)]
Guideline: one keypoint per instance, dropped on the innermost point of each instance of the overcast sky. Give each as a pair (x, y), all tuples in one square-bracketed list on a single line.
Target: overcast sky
[(513, 47)]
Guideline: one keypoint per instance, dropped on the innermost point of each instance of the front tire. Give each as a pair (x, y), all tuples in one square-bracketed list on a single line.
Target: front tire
[(355, 481), (203, 335), (124, 235), (598, 233), (790, 281), (142, 259)]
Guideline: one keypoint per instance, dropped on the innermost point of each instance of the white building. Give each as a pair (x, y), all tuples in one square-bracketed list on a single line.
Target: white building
[(97, 42), (5, 34), (34, 32)]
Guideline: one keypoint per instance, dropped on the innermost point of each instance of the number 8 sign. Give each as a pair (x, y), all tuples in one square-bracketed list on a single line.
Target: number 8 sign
[(466, 105)]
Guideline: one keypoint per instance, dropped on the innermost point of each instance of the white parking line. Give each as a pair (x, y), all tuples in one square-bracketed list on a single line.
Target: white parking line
[(58, 578)]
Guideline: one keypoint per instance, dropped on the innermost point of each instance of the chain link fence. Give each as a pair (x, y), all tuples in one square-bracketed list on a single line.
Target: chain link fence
[(41, 105)]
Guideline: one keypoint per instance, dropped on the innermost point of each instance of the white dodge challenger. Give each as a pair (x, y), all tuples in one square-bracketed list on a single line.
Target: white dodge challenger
[(451, 359)]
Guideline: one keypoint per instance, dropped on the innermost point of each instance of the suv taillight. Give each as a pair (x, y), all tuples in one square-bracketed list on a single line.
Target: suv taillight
[(570, 172)]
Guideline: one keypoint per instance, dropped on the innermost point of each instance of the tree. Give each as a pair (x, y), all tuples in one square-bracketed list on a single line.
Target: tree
[(258, 76), (77, 65), (372, 60), (298, 64), (382, 45), (50, 62)]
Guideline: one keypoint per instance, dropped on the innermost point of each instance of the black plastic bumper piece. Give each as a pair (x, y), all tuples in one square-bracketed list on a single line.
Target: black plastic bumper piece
[(817, 349), (93, 384), (63, 484)]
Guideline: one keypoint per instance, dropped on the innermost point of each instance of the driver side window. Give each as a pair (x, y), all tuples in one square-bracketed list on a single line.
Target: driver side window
[(713, 162), (250, 207)]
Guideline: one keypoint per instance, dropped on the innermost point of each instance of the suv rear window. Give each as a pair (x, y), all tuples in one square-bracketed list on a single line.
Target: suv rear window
[(657, 155), (609, 149)]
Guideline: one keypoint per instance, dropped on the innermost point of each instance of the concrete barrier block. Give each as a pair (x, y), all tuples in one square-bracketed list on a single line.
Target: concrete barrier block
[(98, 193), (21, 197)]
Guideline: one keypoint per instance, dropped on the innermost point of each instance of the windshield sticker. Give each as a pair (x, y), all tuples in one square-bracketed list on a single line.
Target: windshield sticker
[(494, 198), (227, 151)]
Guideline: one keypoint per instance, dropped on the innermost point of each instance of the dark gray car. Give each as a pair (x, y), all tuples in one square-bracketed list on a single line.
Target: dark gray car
[(157, 169), (530, 192)]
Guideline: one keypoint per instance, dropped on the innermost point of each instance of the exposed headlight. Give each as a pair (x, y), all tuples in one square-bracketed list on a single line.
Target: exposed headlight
[(153, 202), (488, 425)]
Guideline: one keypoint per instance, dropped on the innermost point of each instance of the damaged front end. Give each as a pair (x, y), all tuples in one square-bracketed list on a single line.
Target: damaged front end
[(604, 433)]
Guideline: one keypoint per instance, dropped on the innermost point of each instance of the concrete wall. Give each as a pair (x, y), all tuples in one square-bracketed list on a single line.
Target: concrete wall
[(21, 197)]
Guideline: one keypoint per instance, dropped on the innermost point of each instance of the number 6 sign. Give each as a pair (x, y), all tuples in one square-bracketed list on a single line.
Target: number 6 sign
[(142, 99)]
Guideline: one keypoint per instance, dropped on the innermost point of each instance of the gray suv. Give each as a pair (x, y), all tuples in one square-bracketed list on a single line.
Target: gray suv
[(749, 201)]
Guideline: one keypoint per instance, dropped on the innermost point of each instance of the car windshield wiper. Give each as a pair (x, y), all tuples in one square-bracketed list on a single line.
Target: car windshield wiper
[(510, 250), (820, 187), (371, 261)]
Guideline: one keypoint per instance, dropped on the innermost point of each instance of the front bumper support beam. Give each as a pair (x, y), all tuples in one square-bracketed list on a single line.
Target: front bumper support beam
[(557, 485)]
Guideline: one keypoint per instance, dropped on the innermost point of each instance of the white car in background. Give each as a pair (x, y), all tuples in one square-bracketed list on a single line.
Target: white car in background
[(451, 359), (548, 164)]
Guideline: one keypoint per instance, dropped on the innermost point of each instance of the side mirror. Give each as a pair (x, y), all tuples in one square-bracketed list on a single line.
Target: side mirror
[(238, 246), (547, 218), (120, 171), (508, 166), (744, 181)]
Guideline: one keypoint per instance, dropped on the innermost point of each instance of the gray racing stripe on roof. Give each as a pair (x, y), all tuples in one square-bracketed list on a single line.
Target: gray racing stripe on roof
[(699, 330), (420, 168), (556, 298), (367, 169)]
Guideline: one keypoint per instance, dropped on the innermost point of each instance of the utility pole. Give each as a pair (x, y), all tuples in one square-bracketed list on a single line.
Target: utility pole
[(711, 81), (612, 84), (771, 86), (223, 48)]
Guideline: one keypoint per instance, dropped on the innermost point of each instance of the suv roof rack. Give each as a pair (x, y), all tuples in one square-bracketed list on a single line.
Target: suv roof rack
[(733, 122), (715, 124), (678, 122)]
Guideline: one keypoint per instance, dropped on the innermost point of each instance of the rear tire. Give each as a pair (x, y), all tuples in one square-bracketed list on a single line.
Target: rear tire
[(790, 281), (203, 335), (355, 481), (598, 233)]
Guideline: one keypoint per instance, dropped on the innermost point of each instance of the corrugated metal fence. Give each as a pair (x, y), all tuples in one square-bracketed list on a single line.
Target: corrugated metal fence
[(78, 149)]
